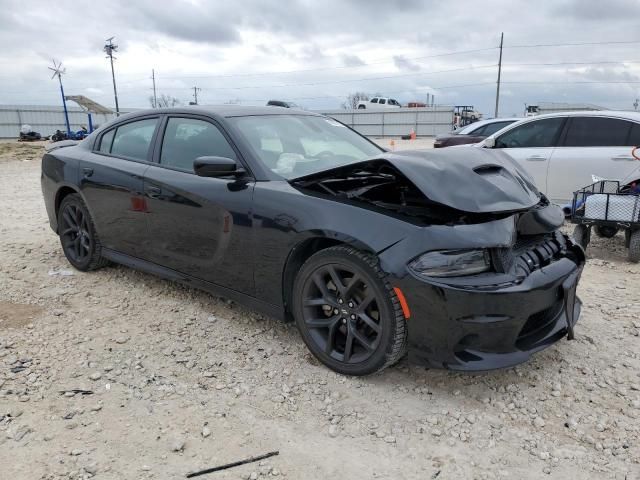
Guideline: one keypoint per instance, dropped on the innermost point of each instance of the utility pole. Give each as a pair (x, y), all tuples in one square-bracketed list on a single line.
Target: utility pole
[(109, 48), (58, 71), (195, 95), (499, 72), (155, 99)]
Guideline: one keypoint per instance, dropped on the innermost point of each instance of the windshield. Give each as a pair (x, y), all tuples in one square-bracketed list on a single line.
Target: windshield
[(297, 145)]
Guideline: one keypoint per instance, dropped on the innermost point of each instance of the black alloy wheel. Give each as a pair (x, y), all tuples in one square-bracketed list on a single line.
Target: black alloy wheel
[(77, 233), (349, 316)]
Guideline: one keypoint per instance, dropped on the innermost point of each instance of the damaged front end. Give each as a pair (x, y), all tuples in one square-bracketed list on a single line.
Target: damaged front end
[(487, 274)]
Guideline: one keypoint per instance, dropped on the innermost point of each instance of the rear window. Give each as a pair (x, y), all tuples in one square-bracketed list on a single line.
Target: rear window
[(374, 100), (132, 140), (597, 132), (634, 135), (106, 141)]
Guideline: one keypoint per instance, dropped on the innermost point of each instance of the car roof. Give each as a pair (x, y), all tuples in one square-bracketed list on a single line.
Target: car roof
[(225, 111), (625, 114), (494, 120)]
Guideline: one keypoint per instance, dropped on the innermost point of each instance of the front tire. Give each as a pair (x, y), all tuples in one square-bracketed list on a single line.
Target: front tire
[(348, 314), (78, 237)]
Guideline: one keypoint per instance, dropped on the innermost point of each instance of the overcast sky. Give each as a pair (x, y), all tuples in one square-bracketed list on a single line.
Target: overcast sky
[(317, 52)]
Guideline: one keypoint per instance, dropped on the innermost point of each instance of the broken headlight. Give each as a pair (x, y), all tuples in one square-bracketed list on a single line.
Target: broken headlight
[(451, 263)]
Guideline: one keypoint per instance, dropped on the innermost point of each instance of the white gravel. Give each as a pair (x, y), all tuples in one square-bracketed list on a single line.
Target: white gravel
[(181, 381)]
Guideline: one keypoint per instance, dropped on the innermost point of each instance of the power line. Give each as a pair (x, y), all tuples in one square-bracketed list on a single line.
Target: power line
[(350, 80), (579, 44), (342, 67)]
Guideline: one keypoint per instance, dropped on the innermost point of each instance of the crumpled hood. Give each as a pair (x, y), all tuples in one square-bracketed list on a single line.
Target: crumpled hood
[(475, 180)]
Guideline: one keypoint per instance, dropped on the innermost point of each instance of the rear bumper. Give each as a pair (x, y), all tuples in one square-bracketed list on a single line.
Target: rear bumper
[(483, 328)]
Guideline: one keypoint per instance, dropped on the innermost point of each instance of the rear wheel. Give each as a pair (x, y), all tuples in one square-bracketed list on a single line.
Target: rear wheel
[(348, 314), (606, 232), (582, 235), (634, 246), (78, 236)]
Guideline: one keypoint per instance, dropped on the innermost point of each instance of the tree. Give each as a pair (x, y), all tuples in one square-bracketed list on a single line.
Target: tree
[(164, 101), (353, 99)]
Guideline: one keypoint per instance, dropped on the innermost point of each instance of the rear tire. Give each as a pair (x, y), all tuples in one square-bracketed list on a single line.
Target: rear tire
[(582, 235), (606, 232), (348, 314), (78, 237), (634, 247)]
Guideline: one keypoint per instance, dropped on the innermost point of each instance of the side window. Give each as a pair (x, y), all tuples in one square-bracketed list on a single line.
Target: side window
[(634, 136), (132, 140), (186, 139), (382, 101), (597, 132), (538, 133), (492, 128), (478, 131), (106, 141), (374, 100)]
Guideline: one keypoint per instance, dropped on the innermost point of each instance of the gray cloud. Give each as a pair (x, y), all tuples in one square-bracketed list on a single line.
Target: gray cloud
[(352, 60), (190, 42), (403, 63)]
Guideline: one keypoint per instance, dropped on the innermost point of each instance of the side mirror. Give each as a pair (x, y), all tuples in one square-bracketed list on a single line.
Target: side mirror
[(489, 142), (216, 167)]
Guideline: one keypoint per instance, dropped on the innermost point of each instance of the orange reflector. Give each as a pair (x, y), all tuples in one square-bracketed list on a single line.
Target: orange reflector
[(403, 303)]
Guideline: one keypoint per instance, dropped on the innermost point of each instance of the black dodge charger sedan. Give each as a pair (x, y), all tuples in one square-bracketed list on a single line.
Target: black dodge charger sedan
[(452, 255)]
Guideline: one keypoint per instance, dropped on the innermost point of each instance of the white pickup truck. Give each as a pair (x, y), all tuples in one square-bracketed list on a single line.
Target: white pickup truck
[(378, 103)]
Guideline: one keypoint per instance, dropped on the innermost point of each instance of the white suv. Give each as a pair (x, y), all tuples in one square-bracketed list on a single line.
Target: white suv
[(379, 103), (563, 150)]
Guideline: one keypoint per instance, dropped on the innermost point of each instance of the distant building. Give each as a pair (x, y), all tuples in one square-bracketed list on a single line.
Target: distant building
[(552, 107)]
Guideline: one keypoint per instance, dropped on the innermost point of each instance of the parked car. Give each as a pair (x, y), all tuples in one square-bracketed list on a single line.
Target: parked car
[(452, 255), (282, 103), (562, 151), (473, 133), (379, 103)]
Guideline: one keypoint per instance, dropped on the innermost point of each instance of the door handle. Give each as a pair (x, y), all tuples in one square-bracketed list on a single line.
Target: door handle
[(536, 158), (87, 172), (623, 158), (153, 191)]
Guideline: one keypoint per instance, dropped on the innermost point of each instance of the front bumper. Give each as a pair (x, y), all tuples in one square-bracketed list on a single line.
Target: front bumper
[(488, 327)]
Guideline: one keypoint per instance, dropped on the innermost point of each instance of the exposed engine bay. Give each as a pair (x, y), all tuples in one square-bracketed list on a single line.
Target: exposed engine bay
[(380, 185)]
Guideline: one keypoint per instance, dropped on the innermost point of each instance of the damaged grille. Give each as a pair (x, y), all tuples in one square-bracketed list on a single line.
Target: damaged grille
[(528, 254)]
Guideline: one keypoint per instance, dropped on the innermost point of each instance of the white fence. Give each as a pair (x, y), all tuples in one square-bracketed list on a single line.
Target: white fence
[(427, 121), (44, 119)]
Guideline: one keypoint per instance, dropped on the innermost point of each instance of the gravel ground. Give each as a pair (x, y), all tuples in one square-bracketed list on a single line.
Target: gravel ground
[(180, 380)]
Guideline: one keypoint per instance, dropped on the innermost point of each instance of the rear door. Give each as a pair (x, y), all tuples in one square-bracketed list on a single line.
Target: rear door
[(199, 226), (111, 181), (532, 144), (592, 145)]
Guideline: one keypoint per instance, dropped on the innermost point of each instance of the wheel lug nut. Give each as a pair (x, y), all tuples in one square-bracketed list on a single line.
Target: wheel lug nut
[(353, 317), (336, 311), (350, 304), (344, 320), (340, 301)]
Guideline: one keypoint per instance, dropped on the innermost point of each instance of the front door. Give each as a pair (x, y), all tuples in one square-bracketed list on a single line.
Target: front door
[(199, 226), (532, 145), (111, 182)]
